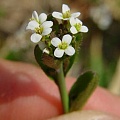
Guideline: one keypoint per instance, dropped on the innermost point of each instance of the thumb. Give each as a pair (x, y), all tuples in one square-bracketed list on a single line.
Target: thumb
[(86, 115)]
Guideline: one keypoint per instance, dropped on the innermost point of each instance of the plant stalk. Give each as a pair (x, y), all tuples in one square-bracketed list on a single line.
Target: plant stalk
[(62, 89)]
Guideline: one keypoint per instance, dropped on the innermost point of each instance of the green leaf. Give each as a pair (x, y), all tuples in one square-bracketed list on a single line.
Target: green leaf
[(82, 89), (78, 39), (68, 62), (39, 56)]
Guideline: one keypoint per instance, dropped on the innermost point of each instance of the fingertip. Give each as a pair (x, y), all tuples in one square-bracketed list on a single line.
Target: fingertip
[(26, 93), (86, 115), (103, 100)]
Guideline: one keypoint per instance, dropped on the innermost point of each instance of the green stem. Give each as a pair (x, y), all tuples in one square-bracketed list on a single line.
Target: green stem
[(62, 89)]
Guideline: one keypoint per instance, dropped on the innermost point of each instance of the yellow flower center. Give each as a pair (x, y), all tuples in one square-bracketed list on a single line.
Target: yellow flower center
[(77, 26), (39, 30), (63, 45), (66, 14)]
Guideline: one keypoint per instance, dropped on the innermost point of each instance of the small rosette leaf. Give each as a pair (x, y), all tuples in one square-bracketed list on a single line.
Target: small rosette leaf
[(46, 62), (82, 89), (68, 62)]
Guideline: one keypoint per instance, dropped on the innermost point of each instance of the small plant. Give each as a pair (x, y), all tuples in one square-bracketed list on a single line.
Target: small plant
[(58, 37)]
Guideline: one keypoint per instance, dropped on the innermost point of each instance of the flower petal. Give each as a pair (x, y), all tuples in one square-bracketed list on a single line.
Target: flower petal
[(46, 31), (35, 37), (67, 38), (70, 50), (72, 21), (32, 25), (73, 30), (75, 15), (57, 15), (47, 24), (42, 17), (65, 8), (55, 41), (78, 21), (84, 29), (58, 53), (35, 15)]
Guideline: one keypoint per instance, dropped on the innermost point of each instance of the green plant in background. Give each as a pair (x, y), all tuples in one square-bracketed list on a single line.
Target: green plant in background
[(58, 37), (2, 12)]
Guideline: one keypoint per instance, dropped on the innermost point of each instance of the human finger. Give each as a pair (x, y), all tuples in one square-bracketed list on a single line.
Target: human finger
[(86, 115), (26, 93)]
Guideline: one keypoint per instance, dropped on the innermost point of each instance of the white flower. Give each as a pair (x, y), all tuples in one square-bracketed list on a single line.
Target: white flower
[(76, 26), (63, 46), (39, 26), (65, 15), (40, 19)]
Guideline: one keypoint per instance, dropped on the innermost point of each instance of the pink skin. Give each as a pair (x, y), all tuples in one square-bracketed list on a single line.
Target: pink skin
[(26, 93)]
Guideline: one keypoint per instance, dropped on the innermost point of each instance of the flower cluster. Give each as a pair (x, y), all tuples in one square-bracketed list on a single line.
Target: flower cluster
[(59, 37), (39, 26)]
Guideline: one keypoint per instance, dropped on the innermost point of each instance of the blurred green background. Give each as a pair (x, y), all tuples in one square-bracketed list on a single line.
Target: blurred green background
[(100, 50)]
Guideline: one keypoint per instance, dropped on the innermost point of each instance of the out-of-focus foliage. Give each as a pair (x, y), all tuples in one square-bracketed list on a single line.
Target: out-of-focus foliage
[(100, 50)]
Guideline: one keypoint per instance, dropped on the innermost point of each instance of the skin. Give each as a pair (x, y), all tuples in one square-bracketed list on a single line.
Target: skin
[(26, 93)]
